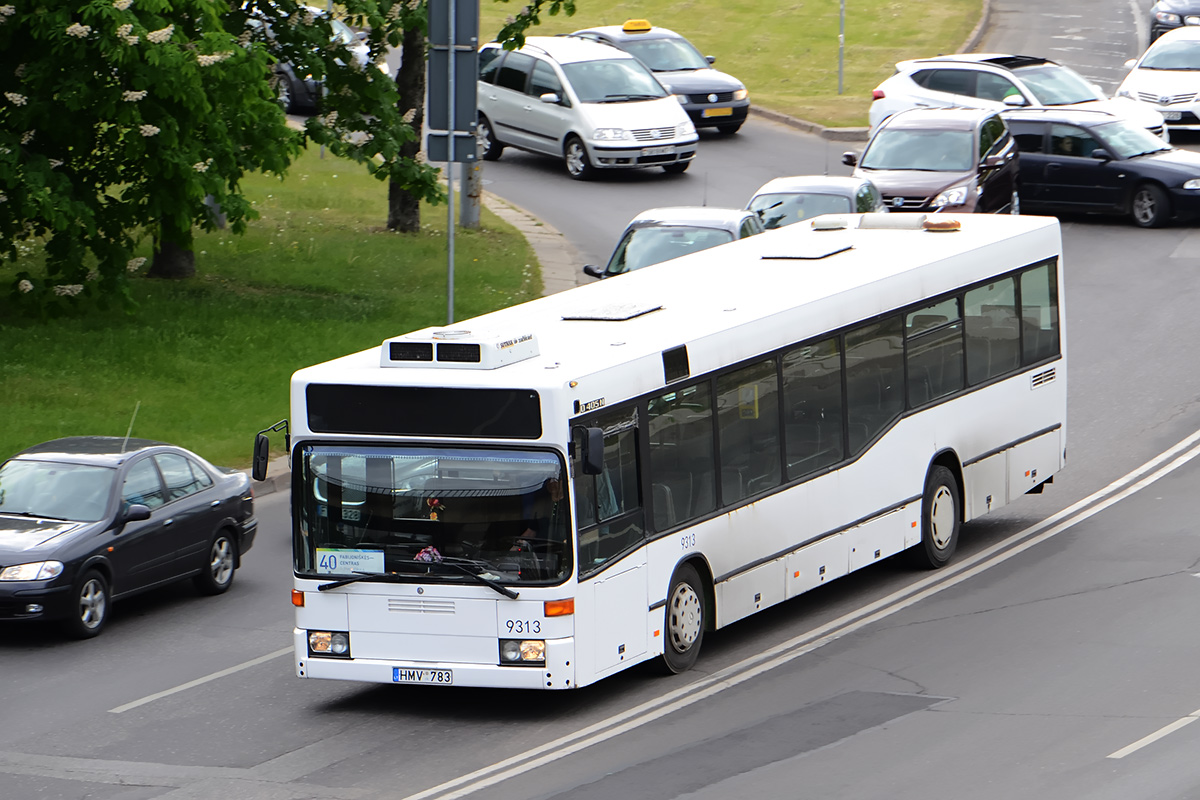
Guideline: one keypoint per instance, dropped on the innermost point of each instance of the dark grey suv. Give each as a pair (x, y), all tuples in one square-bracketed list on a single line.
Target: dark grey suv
[(942, 159)]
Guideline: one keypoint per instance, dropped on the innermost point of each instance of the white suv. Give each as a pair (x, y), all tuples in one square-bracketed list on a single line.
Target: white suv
[(592, 105), (998, 82)]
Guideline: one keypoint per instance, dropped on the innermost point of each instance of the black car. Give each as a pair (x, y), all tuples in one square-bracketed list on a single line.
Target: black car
[(88, 520), (1167, 15), (942, 159), (710, 98), (1090, 161)]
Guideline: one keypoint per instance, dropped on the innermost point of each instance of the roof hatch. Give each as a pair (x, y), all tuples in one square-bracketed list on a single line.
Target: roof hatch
[(458, 349)]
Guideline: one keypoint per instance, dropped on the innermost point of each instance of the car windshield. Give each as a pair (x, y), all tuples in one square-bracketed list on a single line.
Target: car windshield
[(55, 490), (1126, 141), (413, 511), (1056, 85), (926, 150), (642, 247), (666, 55), (613, 81), (777, 210), (1180, 55)]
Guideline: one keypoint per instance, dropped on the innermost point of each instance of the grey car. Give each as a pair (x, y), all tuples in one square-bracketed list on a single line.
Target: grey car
[(660, 234), (785, 201)]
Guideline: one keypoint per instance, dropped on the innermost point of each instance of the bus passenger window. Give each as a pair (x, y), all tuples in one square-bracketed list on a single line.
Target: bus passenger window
[(1039, 313), (748, 418), (681, 451), (874, 380), (812, 404), (990, 314)]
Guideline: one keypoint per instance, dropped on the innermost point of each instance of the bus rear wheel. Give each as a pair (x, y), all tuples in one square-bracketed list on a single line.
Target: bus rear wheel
[(684, 620), (940, 520)]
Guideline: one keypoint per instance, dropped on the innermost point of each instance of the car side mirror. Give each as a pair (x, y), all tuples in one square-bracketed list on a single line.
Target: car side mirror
[(1130, 63), (551, 98), (588, 269), (1100, 154), (850, 159), (710, 59), (1014, 101), (994, 160), (136, 513)]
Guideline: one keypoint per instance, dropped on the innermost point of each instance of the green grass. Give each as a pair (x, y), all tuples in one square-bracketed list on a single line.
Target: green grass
[(787, 52), (209, 359)]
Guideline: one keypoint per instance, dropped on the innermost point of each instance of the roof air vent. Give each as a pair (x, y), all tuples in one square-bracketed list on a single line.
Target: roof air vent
[(458, 349)]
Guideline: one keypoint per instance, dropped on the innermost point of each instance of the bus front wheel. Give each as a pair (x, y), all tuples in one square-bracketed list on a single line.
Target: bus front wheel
[(685, 620), (940, 520)]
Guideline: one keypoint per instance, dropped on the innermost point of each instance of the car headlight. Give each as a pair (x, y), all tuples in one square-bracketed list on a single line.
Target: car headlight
[(611, 134), (332, 644), (951, 197), (1166, 18), (685, 129), (1191, 20), (1194, 183), (523, 651), (741, 94), (35, 571)]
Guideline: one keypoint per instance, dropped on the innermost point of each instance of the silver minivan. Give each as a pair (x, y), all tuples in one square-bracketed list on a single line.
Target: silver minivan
[(592, 105)]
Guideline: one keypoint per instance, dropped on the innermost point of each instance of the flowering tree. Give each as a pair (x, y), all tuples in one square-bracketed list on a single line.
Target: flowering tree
[(126, 118)]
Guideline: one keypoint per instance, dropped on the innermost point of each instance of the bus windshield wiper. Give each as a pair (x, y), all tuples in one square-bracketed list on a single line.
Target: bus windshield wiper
[(461, 566), (386, 577)]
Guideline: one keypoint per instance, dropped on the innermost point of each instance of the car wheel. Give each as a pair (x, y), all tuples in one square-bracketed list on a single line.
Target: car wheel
[(1014, 205), (678, 168), (685, 621), (284, 94), (1150, 208), (89, 607), (579, 166), (731, 128), (217, 574), (940, 520), (491, 147)]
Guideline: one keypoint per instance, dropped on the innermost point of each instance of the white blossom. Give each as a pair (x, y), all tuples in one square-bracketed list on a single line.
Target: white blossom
[(202, 166), (20, 70), (7, 10), (93, 275), (148, 130), (133, 97), (15, 99), (124, 30), (25, 287), (135, 264), (55, 163), (208, 61), (68, 290), (79, 31), (121, 5), (413, 4), (161, 35), (27, 136), (409, 115), (132, 40), (329, 118)]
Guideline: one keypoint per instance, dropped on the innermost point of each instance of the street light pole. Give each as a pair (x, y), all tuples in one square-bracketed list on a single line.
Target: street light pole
[(841, 46)]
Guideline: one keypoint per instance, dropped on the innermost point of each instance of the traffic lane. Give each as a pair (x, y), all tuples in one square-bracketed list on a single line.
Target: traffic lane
[(1022, 681), (726, 172), (153, 641)]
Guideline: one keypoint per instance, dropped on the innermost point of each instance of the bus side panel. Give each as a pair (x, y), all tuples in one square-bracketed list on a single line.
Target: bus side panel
[(877, 539), (819, 563), (1032, 462), (752, 591), (619, 613), (987, 485)]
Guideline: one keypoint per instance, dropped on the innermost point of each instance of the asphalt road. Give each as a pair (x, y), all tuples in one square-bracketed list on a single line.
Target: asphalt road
[(1076, 644)]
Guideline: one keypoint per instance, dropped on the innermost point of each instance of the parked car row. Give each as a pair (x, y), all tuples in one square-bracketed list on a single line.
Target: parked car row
[(613, 97)]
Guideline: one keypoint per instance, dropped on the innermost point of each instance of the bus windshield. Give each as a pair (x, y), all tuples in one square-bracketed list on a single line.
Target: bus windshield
[(427, 512)]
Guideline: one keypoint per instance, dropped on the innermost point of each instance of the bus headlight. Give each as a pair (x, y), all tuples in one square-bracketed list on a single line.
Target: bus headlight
[(523, 651), (330, 644)]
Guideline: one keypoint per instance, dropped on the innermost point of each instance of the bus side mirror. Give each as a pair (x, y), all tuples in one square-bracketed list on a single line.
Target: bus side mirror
[(592, 456), (262, 455)]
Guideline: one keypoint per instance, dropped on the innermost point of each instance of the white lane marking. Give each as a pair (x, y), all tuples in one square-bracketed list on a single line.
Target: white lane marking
[(1158, 734), (254, 662), (805, 643)]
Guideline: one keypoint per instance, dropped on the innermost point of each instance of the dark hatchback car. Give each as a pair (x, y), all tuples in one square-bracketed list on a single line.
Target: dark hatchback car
[(1092, 162), (1167, 15), (710, 97), (88, 520), (942, 159)]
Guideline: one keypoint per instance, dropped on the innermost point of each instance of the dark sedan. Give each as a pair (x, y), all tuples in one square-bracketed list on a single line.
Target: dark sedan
[(88, 520), (1167, 15), (710, 97), (1092, 162)]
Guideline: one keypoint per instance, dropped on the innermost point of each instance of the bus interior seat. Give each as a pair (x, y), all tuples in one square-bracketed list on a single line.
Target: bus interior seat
[(664, 506)]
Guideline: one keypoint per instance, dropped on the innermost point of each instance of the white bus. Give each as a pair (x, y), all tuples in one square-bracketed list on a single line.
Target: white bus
[(548, 494)]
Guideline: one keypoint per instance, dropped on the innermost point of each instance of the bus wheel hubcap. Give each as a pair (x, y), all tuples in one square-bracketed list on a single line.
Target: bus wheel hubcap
[(941, 517), (686, 617)]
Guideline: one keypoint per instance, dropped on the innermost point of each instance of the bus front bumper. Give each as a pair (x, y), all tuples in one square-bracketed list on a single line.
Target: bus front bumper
[(557, 673)]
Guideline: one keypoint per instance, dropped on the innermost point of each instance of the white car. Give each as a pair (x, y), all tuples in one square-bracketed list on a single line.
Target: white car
[(1167, 76), (992, 81), (594, 106)]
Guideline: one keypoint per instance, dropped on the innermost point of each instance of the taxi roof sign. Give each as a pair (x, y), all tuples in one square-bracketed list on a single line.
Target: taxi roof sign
[(636, 26)]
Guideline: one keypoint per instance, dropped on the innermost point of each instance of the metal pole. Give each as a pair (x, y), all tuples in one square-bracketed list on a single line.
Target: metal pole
[(841, 46), (450, 170)]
